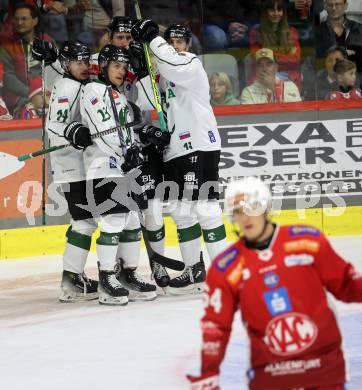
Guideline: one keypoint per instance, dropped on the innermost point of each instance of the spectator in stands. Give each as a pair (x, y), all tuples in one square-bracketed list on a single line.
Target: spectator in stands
[(34, 107), (4, 112), (267, 88), (338, 30), (326, 78), (16, 56), (221, 90), (54, 20), (274, 33), (345, 71), (97, 16)]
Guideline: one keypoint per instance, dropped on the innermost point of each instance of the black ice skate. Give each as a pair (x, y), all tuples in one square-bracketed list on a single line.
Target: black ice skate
[(111, 292), (139, 290), (159, 274), (191, 281), (77, 287)]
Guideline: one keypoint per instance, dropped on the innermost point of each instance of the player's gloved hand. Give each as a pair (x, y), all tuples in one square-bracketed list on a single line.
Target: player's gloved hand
[(144, 31), (44, 50), (154, 135), (78, 135), (138, 60), (132, 159), (205, 381)]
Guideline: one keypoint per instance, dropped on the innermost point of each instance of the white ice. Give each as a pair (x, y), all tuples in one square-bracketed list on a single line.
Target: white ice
[(46, 345)]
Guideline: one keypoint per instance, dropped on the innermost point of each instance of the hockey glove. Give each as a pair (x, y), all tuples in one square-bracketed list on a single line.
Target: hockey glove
[(132, 159), (44, 50), (78, 135), (154, 135), (138, 60), (205, 381), (144, 31)]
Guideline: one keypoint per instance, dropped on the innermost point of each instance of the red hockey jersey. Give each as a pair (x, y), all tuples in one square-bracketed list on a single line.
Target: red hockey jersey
[(294, 336)]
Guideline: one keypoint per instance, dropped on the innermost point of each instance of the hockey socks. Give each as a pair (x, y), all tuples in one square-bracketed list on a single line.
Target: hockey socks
[(215, 240), (107, 246), (76, 251), (129, 247), (190, 245), (157, 239)]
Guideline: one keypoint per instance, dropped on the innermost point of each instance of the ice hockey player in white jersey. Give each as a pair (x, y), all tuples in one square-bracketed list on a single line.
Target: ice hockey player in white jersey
[(68, 169), (119, 34), (120, 229), (193, 155)]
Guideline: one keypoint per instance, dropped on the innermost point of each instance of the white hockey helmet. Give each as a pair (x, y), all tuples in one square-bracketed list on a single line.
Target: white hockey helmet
[(250, 193)]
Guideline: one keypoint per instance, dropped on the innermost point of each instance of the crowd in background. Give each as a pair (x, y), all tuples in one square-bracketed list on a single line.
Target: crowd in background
[(259, 51)]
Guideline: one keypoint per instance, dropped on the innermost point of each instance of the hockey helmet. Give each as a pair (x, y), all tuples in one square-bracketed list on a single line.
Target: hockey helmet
[(73, 51), (111, 53), (120, 24), (178, 31), (251, 194)]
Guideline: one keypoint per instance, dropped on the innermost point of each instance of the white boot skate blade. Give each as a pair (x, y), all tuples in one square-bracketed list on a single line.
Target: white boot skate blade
[(196, 288), (105, 299), (142, 296), (73, 296)]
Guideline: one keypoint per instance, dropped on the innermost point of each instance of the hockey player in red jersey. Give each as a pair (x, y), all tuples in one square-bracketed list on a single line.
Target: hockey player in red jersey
[(277, 276)]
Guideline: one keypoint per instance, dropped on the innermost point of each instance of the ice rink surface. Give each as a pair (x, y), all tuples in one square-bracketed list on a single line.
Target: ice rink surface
[(47, 345)]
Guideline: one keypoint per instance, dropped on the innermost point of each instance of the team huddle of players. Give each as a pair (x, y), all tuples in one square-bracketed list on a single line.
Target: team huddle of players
[(276, 275), (96, 103)]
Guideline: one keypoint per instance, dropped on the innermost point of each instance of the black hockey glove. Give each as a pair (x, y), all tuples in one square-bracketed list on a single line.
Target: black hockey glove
[(144, 31), (78, 135), (132, 159), (44, 50), (138, 60), (154, 135)]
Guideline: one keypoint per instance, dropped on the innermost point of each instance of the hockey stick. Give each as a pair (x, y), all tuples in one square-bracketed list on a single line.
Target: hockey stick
[(24, 157), (151, 72)]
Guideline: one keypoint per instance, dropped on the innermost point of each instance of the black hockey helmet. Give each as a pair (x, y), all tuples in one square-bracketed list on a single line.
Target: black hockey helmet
[(120, 24), (73, 51), (178, 31), (111, 53)]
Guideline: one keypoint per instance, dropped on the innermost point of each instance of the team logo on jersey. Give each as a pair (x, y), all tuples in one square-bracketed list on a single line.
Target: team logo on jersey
[(63, 99), (303, 230), (184, 135), (227, 258), (115, 94), (278, 301), (290, 334), (271, 279), (265, 255), (94, 100), (302, 245), (300, 259), (211, 136)]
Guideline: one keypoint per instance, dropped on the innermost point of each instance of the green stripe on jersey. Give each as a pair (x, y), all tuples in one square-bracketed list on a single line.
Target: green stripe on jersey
[(130, 235), (189, 234), (79, 240), (214, 235), (156, 235), (108, 239)]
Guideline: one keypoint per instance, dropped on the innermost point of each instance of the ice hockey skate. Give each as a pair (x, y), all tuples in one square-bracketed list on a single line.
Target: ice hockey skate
[(191, 281), (111, 292), (77, 287), (139, 290), (160, 276)]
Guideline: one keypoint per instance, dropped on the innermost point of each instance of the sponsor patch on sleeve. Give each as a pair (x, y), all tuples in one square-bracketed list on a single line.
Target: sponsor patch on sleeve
[(300, 230), (226, 259)]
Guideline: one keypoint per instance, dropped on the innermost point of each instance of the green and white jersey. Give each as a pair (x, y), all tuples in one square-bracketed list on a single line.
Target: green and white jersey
[(67, 164), (104, 157), (185, 93)]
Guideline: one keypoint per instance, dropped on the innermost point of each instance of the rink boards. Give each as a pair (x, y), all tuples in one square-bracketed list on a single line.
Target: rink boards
[(48, 240)]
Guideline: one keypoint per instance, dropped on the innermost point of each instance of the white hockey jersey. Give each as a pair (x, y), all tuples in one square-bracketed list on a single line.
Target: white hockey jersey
[(184, 88), (104, 157), (67, 164)]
